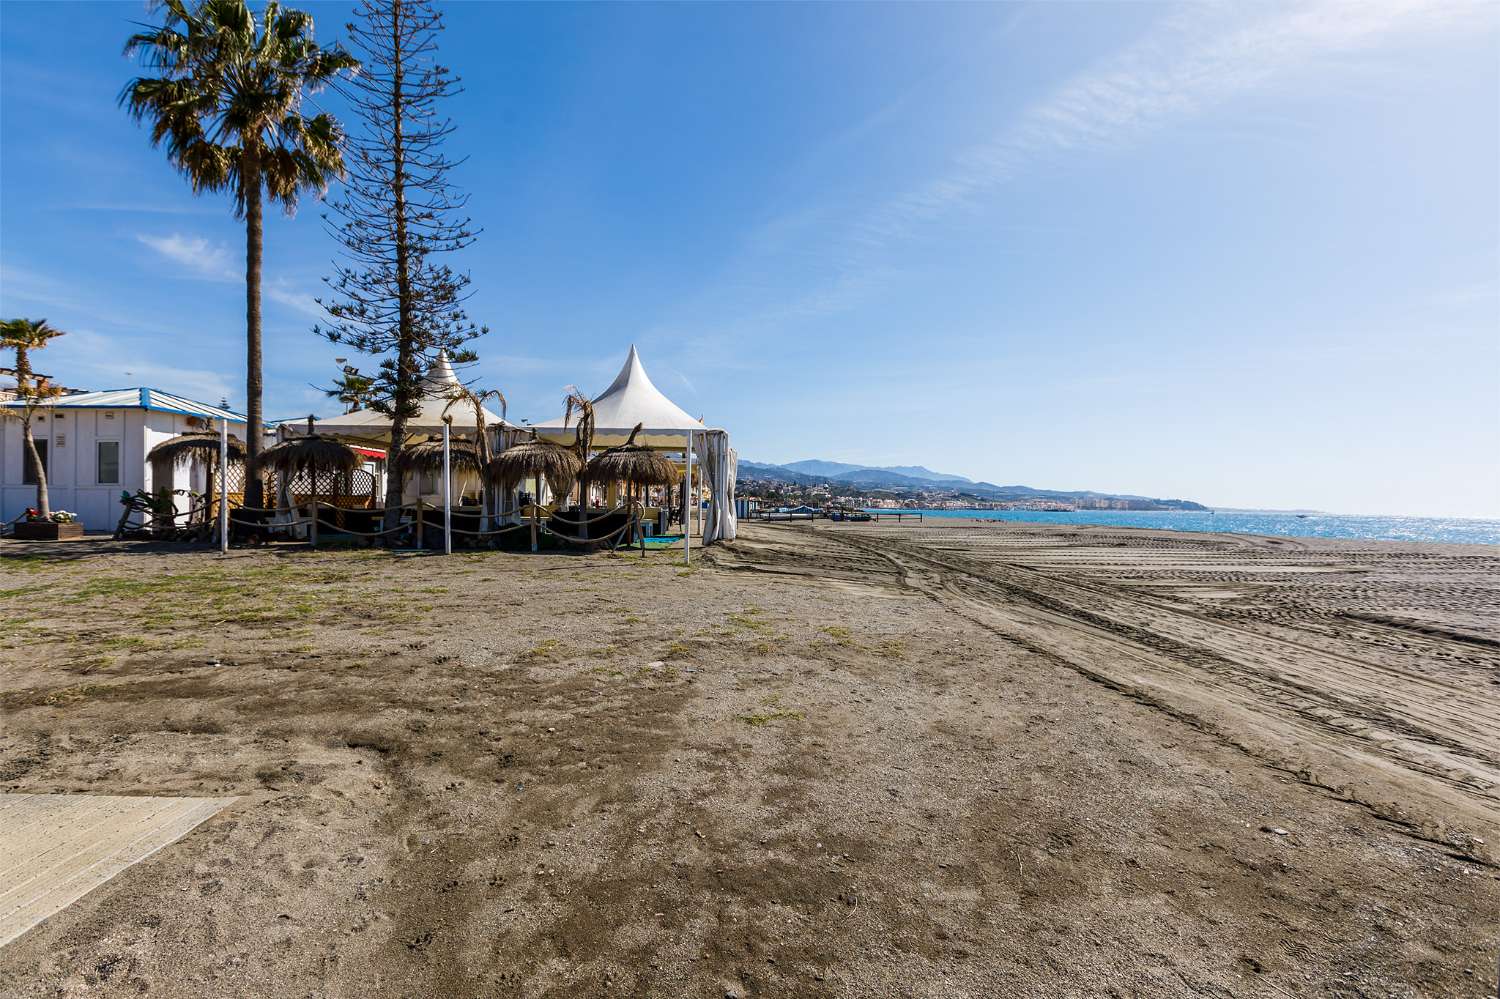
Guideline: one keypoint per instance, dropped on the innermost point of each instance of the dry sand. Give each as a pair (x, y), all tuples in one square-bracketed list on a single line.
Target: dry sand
[(862, 760)]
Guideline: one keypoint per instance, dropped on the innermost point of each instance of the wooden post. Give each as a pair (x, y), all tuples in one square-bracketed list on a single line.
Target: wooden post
[(447, 492), (224, 487), (535, 498), (419, 521), (312, 525)]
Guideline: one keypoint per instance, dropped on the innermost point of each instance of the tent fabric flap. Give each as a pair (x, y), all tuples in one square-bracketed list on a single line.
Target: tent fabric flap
[(721, 468)]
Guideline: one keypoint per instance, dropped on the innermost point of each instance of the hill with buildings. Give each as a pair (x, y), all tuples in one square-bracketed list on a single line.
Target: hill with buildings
[(914, 485)]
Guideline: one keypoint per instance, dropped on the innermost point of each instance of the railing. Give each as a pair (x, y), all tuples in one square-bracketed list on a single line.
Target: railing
[(263, 522)]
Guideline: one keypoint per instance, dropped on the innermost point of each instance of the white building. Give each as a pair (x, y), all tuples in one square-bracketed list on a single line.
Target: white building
[(94, 447)]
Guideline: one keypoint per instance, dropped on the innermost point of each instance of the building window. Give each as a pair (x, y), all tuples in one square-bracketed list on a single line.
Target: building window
[(28, 473), (109, 462)]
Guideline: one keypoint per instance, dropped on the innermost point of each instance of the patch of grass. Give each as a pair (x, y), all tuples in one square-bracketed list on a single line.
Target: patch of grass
[(750, 620), (839, 634), (19, 591), (547, 650), (27, 563), (770, 711), (891, 648), (676, 650), (68, 695), (124, 643)]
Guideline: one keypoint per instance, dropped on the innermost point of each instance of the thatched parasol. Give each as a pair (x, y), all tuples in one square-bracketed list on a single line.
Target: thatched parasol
[(427, 456), (635, 464), (557, 464), (313, 452), (182, 449)]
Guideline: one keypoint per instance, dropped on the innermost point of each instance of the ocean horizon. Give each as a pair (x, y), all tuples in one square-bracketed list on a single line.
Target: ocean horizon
[(1445, 530)]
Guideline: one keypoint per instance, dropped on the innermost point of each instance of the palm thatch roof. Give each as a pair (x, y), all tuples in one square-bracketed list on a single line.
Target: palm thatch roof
[(182, 449), (557, 464), (427, 456), (314, 452), (634, 463)]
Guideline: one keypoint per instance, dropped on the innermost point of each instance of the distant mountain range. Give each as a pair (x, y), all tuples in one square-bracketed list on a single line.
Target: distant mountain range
[(917, 478)]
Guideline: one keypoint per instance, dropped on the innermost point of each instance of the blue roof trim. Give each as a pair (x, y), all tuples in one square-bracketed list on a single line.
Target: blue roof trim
[(143, 401)]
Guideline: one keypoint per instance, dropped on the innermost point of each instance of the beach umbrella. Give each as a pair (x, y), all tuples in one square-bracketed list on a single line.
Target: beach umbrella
[(557, 464), (635, 464), (182, 449), (313, 452), (427, 456)]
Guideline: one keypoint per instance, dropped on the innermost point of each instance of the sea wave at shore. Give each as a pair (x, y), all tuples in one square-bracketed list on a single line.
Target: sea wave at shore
[(1313, 525)]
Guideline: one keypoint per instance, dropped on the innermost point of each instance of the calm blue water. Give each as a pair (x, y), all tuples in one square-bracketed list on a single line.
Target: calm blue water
[(1315, 525)]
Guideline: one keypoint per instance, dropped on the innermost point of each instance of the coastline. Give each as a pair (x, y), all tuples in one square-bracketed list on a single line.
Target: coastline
[(1436, 530)]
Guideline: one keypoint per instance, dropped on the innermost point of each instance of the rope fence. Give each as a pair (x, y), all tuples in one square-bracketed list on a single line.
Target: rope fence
[(534, 516)]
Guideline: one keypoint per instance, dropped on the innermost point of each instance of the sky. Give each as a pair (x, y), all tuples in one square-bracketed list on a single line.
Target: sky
[(1244, 254)]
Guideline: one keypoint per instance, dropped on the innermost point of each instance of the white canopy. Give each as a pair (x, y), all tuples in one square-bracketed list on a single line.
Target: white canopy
[(437, 391), (629, 400)]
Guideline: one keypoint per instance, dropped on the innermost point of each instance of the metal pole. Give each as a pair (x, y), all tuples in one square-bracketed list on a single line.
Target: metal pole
[(224, 487), (447, 495), (687, 497)]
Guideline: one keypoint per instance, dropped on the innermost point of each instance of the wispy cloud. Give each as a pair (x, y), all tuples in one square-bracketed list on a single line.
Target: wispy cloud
[(210, 261), (1189, 63), (93, 360), (197, 256), (281, 291)]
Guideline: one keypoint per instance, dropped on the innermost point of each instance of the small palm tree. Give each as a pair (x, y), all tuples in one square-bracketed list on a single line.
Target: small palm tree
[(227, 103), (476, 398), (32, 390), (351, 388)]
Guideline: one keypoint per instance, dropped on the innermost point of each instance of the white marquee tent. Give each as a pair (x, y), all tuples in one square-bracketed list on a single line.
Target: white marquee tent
[(437, 391), (632, 399)]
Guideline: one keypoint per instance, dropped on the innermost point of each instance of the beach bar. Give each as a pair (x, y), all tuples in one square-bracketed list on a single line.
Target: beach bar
[(633, 408)]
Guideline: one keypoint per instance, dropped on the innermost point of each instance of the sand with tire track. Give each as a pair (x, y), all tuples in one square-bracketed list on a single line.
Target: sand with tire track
[(850, 760)]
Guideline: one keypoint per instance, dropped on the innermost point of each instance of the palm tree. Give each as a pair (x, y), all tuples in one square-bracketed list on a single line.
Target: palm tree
[(351, 388), (582, 444), (32, 390), (476, 398), (227, 103)]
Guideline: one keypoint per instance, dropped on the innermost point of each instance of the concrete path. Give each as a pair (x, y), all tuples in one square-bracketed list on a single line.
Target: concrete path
[(56, 848)]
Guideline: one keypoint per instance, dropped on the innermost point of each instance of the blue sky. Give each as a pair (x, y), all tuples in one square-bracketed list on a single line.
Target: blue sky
[(1248, 255)]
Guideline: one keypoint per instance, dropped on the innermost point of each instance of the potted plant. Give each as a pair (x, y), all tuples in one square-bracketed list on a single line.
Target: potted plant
[(58, 525)]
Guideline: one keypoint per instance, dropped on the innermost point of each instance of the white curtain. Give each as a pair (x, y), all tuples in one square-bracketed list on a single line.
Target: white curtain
[(721, 467)]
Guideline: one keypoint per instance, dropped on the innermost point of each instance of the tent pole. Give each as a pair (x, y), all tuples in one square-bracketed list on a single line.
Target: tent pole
[(535, 498), (224, 487), (447, 494), (687, 494)]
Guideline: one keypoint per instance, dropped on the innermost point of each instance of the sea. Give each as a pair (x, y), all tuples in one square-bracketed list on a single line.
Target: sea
[(1288, 525)]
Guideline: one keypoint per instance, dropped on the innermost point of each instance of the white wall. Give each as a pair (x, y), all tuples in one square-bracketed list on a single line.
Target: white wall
[(72, 462)]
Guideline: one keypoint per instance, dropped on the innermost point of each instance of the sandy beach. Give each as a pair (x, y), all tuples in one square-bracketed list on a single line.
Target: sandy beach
[(940, 759)]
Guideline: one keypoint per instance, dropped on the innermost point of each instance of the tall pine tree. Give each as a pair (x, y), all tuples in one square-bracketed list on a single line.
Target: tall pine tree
[(398, 214)]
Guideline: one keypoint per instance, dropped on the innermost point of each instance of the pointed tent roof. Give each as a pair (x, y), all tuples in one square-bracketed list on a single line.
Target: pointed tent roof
[(437, 386), (630, 399)]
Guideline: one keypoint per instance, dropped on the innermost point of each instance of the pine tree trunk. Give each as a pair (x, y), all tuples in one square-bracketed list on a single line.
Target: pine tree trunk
[(405, 377), (254, 235), (43, 502)]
